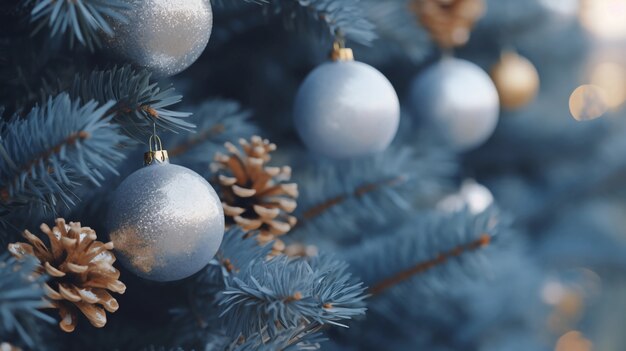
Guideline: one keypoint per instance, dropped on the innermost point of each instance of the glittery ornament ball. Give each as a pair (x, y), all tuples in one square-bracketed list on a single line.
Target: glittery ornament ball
[(459, 100), (166, 222), (163, 36), (346, 109)]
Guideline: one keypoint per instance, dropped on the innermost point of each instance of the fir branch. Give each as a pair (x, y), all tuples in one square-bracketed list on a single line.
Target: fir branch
[(21, 297), (436, 243), (270, 296), (48, 154), (342, 18), (238, 251), (342, 198), (139, 104), (197, 318), (361, 190), (218, 121), (399, 31), (84, 19), (300, 338), (421, 267)]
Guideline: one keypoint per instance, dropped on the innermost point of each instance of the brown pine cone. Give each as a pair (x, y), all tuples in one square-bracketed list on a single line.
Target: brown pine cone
[(80, 269), (449, 21), (255, 196)]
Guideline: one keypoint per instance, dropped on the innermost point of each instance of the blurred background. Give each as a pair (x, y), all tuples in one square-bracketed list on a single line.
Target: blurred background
[(554, 166)]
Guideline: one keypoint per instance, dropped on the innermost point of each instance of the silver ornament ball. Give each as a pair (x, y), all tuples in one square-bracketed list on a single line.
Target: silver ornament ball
[(458, 99), (163, 36), (166, 222), (346, 109)]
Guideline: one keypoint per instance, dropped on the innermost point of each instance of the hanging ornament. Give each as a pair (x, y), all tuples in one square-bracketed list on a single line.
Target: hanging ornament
[(454, 96), (516, 79), (165, 220), (459, 100), (346, 108), (163, 36)]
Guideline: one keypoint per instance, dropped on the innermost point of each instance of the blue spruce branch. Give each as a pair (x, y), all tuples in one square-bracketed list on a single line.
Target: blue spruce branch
[(48, 154), (430, 246), (139, 103), (197, 318), (300, 338), (84, 19), (21, 297), (399, 31), (442, 281), (342, 18), (343, 198), (268, 297)]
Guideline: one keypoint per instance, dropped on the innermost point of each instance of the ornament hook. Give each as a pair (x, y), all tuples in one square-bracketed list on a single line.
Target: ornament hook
[(158, 155)]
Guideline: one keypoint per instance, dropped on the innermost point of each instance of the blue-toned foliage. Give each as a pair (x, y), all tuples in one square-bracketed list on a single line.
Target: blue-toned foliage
[(197, 320), (339, 200), (21, 297), (282, 293), (459, 240), (444, 281), (84, 19), (399, 31), (51, 152), (139, 103), (238, 252), (218, 121), (438, 282), (300, 338), (341, 18)]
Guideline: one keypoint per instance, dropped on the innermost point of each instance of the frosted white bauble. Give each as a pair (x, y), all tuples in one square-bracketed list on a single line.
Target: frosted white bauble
[(458, 99), (346, 109)]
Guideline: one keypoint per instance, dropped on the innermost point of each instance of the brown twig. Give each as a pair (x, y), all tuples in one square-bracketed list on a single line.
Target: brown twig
[(421, 267), (70, 140), (358, 192)]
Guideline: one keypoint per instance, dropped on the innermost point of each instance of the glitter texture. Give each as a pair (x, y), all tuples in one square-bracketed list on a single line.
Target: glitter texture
[(166, 222), (164, 36)]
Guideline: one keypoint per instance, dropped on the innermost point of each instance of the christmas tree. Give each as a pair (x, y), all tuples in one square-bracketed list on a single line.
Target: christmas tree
[(316, 174)]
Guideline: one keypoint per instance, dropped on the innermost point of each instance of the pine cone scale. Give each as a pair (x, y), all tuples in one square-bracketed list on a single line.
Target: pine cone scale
[(53, 272)]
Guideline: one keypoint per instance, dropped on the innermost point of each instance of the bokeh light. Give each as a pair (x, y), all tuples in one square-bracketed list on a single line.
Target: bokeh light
[(611, 77), (588, 102), (573, 341), (473, 196), (566, 8), (604, 18)]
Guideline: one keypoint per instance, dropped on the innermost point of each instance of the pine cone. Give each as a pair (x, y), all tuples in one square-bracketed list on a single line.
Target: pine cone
[(449, 21), (80, 269), (255, 196)]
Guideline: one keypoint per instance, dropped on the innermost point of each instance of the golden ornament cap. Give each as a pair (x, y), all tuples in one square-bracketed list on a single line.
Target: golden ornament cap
[(158, 155), (341, 53)]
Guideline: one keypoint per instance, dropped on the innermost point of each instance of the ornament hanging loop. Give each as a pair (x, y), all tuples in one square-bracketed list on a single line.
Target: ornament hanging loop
[(156, 155)]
